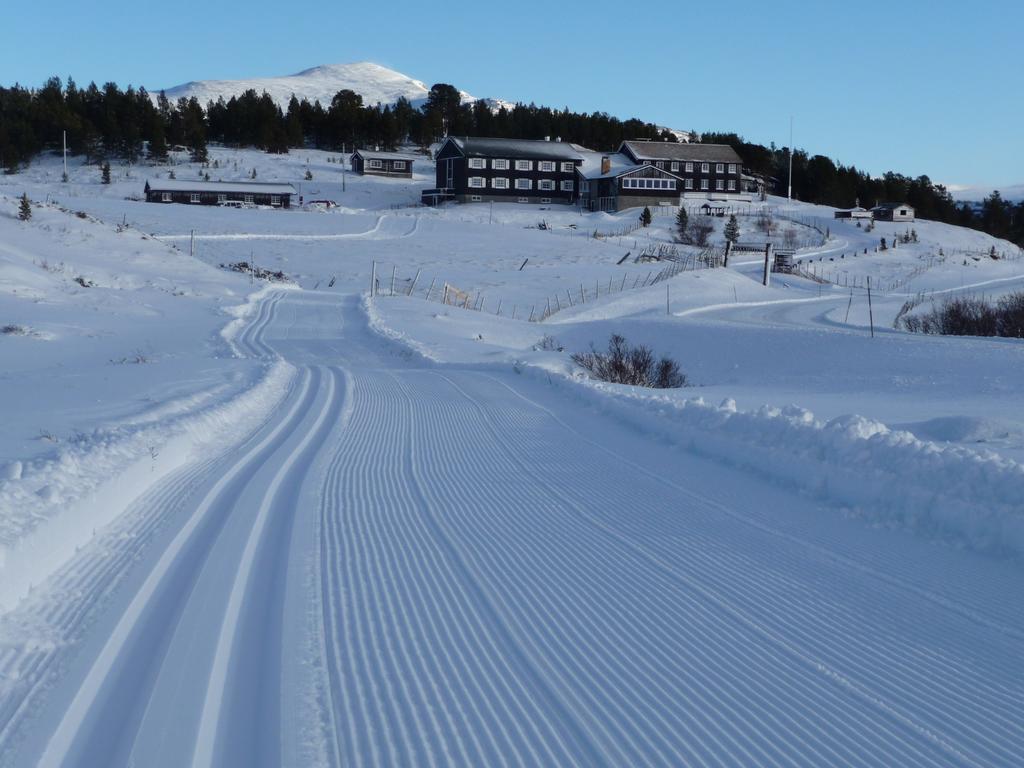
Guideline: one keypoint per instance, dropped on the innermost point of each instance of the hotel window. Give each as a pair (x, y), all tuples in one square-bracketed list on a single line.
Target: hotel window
[(499, 165), (222, 198), (720, 168), (719, 186), (523, 200), (689, 167), (398, 165), (732, 167), (732, 185), (660, 164), (546, 184), (584, 187), (675, 166), (524, 184), (705, 167), (524, 165), (567, 186), (689, 184), (475, 199), (546, 165), (499, 183), (275, 199), (477, 182), (193, 198), (248, 199), (704, 184), (568, 167), (374, 164), (545, 200), (477, 162), (166, 197)]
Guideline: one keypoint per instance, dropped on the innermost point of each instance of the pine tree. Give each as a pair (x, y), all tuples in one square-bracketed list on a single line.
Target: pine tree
[(105, 172), (682, 222), (24, 208), (253, 174), (309, 175), (645, 217), (732, 229)]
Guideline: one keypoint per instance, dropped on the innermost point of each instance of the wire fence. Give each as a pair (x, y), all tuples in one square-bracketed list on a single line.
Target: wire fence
[(667, 262)]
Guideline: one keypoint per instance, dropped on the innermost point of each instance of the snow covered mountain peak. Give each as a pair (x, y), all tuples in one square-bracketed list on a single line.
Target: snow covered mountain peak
[(374, 82)]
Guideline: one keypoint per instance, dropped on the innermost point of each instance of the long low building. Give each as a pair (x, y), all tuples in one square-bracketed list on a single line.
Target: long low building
[(201, 192), (367, 162)]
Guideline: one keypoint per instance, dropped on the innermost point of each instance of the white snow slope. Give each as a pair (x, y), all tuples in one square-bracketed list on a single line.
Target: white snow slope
[(317, 529)]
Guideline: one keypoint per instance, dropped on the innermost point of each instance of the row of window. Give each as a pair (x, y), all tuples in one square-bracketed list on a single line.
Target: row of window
[(194, 197), (479, 199), (704, 167), (396, 165), (670, 184), (499, 164), (500, 182), (632, 183)]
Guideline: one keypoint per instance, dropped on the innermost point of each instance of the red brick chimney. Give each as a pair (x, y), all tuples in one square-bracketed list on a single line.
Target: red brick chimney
[(606, 164)]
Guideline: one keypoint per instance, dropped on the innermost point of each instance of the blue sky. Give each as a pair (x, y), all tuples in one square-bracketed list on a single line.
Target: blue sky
[(913, 86)]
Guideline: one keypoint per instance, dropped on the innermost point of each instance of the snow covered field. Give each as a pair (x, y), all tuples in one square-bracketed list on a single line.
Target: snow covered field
[(249, 524)]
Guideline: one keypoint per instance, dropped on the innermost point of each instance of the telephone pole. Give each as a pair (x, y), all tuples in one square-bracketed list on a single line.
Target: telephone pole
[(789, 193)]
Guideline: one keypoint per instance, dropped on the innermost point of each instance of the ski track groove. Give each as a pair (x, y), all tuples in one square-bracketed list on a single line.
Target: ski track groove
[(490, 586)]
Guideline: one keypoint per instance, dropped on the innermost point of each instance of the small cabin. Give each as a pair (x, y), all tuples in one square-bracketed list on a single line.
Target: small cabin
[(854, 213), (893, 212), (374, 163), (232, 194)]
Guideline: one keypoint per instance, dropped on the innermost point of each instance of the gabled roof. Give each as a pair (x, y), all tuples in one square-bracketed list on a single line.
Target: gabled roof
[(517, 149), (378, 155), (891, 206), (619, 165), (666, 150), (222, 187)]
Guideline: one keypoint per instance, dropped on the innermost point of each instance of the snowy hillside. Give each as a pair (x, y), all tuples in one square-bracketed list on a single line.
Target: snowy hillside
[(290, 524), (375, 83)]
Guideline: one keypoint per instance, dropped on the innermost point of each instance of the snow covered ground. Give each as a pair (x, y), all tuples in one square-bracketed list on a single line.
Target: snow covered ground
[(248, 524)]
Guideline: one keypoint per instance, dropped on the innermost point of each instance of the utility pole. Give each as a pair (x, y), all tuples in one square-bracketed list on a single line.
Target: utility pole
[(65, 177), (789, 193)]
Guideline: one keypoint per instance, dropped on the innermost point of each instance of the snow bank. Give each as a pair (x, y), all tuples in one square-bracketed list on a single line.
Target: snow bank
[(54, 505), (970, 498)]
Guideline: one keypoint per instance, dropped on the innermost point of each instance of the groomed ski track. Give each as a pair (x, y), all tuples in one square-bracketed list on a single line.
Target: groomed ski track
[(431, 566)]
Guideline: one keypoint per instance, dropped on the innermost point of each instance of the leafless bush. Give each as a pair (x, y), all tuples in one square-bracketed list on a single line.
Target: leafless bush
[(698, 230), (258, 272), (971, 316), (626, 364), (13, 329), (548, 344)]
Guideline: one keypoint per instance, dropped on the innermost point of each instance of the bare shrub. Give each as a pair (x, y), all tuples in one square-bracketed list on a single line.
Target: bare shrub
[(971, 316), (698, 230), (548, 343), (14, 330), (627, 364)]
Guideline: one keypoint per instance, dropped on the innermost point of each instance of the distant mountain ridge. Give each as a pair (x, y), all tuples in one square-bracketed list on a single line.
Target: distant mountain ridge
[(375, 83), (1012, 192)]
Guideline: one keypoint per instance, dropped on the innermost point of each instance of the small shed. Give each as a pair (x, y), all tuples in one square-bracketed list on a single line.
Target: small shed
[(893, 212), (854, 213), (374, 163)]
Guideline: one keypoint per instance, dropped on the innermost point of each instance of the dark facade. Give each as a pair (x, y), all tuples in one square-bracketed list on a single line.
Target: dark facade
[(219, 193), (706, 170), (635, 186), (505, 170), (392, 164)]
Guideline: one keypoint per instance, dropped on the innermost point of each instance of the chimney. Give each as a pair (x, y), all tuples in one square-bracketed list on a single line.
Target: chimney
[(606, 164)]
